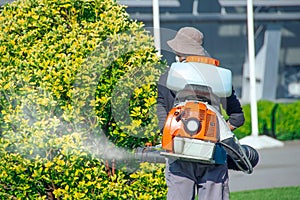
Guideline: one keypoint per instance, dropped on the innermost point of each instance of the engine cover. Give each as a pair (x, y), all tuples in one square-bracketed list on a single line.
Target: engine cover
[(191, 131)]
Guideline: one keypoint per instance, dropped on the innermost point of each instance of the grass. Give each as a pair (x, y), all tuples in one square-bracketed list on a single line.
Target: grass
[(284, 193)]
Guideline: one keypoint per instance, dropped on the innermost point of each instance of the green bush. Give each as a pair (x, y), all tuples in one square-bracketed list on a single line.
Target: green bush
[(77, 81), (265, 112), (277, 120), (287, 124)]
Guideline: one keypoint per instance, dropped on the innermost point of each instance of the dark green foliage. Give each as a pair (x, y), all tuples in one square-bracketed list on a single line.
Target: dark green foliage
[(277, 120), (287, 124)]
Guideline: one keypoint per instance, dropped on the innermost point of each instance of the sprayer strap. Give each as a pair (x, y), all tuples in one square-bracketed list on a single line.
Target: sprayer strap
[(203, 59)]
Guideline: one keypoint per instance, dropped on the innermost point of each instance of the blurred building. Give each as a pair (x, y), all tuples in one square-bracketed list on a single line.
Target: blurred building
[(224, 24)]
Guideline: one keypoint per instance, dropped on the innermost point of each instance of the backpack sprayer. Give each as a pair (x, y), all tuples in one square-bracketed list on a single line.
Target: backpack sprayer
[(194, 129)]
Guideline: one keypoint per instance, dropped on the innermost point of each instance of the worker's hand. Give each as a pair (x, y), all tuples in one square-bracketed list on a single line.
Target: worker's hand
[(232, 128)]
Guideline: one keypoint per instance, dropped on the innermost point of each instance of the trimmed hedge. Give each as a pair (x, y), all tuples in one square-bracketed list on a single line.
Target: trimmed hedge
[(287, 123), (77, 81), (277, 120)]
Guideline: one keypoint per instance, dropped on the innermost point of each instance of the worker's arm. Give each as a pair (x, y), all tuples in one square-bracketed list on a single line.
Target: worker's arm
[(165, 100), (234, 110)]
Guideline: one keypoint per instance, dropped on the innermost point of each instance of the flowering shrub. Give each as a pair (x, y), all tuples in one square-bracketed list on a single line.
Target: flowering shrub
[(77, 85)]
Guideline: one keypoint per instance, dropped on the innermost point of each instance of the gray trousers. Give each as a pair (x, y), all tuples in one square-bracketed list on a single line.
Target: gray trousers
[(186, 179)]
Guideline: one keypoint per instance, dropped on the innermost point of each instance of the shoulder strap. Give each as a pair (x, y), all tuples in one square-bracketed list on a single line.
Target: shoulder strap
[(203, 59)]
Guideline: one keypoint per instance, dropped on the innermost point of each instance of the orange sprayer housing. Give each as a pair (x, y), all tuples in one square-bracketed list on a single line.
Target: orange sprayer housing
[(175, 126)]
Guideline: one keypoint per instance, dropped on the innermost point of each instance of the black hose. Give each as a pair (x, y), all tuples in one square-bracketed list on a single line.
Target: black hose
[(149, 154), (241, 157)]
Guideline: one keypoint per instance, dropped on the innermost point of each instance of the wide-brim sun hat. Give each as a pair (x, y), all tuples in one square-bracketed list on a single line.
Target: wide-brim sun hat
[(188, 41)]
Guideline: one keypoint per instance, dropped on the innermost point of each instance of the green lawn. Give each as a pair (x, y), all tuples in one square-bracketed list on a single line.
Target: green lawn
[(285, 193)]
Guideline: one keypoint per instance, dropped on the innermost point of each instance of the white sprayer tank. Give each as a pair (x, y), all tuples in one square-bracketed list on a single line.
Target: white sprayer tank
[(218, 78)]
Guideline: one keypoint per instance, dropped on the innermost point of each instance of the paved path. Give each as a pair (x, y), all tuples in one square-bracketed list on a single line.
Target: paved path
[(278, 167)]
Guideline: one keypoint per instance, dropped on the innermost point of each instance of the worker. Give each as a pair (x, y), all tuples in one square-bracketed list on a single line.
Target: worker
[(185, 179)]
